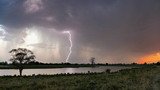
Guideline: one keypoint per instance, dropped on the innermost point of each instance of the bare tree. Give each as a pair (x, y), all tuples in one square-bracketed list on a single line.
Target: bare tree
[(21, 56), (92, 60)]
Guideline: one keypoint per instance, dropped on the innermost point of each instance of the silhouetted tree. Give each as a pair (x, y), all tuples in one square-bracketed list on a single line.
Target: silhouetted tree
[(3, 63), (158, 63), (134, 63), (145, 63), (92, 60), (21, 56)]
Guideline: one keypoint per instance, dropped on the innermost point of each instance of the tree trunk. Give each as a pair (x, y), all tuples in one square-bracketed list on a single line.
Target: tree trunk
[(20, 68), (20, 72)]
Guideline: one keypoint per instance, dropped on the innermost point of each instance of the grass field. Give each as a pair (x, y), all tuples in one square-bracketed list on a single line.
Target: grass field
[(146, 78)]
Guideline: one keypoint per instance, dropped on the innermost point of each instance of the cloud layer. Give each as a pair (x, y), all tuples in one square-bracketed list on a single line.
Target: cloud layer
[(110, 30)]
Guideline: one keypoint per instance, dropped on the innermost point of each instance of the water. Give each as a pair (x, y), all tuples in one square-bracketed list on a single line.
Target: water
[(61, 70)]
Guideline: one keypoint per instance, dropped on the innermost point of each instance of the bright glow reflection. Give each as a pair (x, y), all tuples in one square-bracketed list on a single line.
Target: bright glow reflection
[(2, 32), (32, 37)]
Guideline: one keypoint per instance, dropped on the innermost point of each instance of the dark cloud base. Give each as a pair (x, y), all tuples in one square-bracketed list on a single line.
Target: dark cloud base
[(112, 28)]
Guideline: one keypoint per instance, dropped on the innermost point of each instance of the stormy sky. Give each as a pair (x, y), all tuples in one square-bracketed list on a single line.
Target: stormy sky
[(112, 31)]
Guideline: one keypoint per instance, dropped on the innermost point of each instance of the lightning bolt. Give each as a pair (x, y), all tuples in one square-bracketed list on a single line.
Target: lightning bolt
[(71, 44)]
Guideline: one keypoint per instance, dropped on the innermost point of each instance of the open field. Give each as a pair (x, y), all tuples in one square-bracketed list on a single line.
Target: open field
[(144, 78)]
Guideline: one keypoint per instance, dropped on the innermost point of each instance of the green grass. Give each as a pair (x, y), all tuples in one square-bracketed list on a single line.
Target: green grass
[(129, 79)]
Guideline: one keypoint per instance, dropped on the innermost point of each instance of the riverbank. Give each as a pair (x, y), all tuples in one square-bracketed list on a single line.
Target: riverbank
[(129, 79), (65, 65)]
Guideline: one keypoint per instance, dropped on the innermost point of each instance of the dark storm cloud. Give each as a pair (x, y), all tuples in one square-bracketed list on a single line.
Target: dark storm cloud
[(56, 13), (117, 28)]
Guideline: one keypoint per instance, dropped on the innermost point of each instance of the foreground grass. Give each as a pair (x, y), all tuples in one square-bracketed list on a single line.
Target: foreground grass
[(129, 79)]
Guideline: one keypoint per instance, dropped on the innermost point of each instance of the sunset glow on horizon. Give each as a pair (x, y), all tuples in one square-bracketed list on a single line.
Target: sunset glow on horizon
[(151, 58)]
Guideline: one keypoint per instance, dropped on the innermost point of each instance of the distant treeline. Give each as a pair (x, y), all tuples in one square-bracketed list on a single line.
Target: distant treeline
[(101, 64), (3, 63)]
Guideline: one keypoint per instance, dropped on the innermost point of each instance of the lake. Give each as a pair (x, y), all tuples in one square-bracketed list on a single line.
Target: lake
[(61, 70)]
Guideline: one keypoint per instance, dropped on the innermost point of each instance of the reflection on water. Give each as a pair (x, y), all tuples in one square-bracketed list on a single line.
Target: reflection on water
[(61, 70)]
